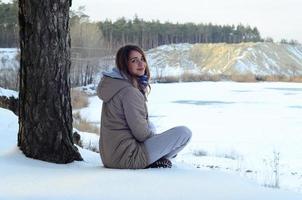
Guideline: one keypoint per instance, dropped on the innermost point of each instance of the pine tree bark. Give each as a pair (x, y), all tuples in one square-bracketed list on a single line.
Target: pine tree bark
[(45, 113)]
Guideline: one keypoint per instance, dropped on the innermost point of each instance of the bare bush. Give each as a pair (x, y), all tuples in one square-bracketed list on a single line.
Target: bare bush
[(83, 124), (9, 72), (190, 77), (169, 79), (79, 99), (200, 152), (87, 49), (271, 176), (297, 79), (9, 79), (243, 78)]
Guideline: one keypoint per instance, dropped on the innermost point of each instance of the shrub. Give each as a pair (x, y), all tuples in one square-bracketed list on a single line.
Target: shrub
[(296, 79), (243, 78), (169, 79), (84, 125), (271, 176), (200, 152), (195, 77), (79, 99)]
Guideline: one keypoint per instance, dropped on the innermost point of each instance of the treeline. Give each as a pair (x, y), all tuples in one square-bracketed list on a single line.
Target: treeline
[(87, 48), (94, 43), (150, 34), (9, 30), (147, 34)]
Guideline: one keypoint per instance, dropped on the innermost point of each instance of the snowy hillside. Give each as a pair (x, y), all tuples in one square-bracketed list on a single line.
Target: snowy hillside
[(263, 59), (182, 62)]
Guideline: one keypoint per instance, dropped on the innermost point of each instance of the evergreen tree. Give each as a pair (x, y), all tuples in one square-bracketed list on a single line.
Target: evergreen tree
[(9, 24), (45, 114)]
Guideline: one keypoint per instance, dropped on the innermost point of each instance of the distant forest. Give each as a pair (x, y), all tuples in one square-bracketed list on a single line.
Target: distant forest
[(147, 34), (9, 32), (152, 34), (93, 44)]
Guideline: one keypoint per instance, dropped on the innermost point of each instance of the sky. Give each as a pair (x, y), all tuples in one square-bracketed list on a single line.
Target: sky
[(274, 18)]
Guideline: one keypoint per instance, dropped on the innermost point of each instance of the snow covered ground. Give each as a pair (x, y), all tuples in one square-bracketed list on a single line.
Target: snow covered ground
[(250, 129), (8, 93), (236, 128)]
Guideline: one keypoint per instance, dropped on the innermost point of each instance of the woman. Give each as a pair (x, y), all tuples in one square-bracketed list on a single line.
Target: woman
[(126, 139)]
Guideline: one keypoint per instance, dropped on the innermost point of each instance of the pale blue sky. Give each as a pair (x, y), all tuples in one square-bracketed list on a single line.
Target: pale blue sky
[(275, 18)]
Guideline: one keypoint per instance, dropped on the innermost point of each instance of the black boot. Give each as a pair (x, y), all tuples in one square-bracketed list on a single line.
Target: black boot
[(161, 163)]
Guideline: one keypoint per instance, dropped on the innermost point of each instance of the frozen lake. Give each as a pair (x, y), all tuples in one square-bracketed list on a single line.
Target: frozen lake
[(261, 115), (250, 128)]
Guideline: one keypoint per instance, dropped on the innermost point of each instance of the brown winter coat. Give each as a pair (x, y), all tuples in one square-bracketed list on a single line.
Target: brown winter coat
[(124, 124)]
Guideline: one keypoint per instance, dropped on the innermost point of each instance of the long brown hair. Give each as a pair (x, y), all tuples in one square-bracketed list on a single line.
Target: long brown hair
[(121, 61)]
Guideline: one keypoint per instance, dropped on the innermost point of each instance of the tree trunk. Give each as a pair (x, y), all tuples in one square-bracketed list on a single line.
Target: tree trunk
[(45, 114)]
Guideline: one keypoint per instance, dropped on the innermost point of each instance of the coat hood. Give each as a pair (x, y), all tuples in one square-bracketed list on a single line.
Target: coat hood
[(111, 83)]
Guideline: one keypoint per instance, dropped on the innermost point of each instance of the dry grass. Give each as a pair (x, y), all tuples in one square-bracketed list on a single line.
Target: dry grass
[(297, 79), (84, 125), (276, 78), (168, 79), (243, 78), (191, 77), (79, 99), (255, 78), (280, 78)]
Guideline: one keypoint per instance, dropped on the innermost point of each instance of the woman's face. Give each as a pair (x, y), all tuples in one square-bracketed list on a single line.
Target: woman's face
[(136, 63)]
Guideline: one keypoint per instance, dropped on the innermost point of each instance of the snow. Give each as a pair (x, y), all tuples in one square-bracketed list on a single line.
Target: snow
[(173, 47), (89, 89), (235, 117), (296, 51), (8, 93), (89, 140), (236, 126), (229, 121), (93, 112), (8, 58), (161, 64), (8, 130)]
